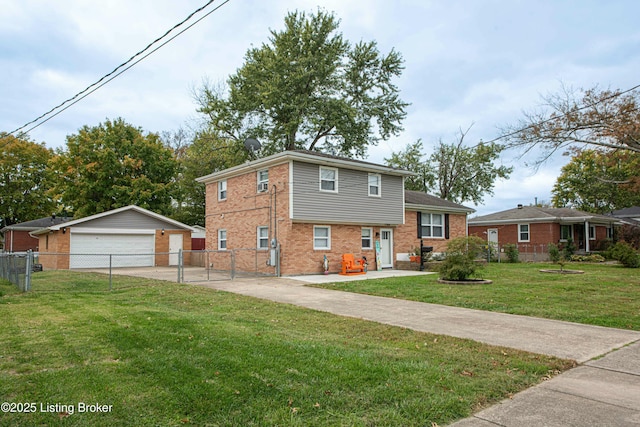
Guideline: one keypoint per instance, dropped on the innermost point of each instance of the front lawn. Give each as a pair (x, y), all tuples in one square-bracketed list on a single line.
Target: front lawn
[(605, 295), (158, 353)]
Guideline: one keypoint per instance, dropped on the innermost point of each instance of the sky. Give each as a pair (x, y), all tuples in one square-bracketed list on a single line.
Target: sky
[(477, 63)]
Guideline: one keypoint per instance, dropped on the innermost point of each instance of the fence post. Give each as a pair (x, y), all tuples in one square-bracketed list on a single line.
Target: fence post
[(27, 273), (233, 264), (110, 272), (180, 266)]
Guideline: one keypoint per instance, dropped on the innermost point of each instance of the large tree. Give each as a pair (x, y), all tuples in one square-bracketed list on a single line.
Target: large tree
[(112, 165), (208, 153), (455, 171), (308, 88), (24, 181), (593, 118), (599, 181)]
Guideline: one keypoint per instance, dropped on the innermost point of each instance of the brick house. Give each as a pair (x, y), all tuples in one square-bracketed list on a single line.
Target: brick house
[(313, 205), (533, 228), (17, 237)]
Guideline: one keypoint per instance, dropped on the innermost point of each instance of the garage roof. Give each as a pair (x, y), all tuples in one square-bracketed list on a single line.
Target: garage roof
[(134, 208)]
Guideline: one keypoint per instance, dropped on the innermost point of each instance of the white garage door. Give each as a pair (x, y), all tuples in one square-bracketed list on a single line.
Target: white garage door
[(92, 250)]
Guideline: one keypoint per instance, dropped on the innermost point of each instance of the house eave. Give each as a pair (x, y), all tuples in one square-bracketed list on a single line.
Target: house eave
[(414, 207), (287, 156)]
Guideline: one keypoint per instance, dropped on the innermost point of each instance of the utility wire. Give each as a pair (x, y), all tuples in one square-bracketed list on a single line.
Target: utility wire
[(584, 107), (118, 70)]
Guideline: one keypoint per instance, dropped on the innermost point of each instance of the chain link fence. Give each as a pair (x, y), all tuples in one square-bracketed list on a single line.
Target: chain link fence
[(182, 266), (17, 267), (526, 252)]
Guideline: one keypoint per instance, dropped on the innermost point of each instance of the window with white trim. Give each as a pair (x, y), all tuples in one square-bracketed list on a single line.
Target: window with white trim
[(523, 233), (432, 225), (367, 240), (263, 237), (566, 232), (321, 237), (222, 190), (222, 240), (263, 180), (328, 179), (592, 232), (374, 184)]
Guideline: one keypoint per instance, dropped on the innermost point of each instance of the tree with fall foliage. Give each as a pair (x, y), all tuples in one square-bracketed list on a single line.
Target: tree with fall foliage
[(599, 181), (596, 119), (24, 181), (111, 165), (308, 88)]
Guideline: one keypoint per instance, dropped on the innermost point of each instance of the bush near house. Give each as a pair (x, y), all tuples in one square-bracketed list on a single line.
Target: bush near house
[(625, 254), (460, 262)]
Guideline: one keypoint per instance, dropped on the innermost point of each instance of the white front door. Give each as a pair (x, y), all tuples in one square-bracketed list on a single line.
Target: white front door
[(492, 236), (386, 247), (175, 245)]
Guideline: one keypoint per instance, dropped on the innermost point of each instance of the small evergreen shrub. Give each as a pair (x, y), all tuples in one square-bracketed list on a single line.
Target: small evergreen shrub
[(511, 250), (461, 254), (625, 254)]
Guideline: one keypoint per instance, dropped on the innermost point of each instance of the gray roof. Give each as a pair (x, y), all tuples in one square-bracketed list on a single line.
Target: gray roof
[(540, 214), (631, 212), (38, 223), (422, 200)]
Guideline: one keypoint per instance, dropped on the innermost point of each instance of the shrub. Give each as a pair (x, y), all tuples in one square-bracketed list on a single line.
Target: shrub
[(587, 258), (511, 250), (625, 254), (461, 254), (554, 253), (569, 248)]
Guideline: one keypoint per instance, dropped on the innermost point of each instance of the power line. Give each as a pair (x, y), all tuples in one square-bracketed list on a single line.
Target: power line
[(118, 70), (584, 107)]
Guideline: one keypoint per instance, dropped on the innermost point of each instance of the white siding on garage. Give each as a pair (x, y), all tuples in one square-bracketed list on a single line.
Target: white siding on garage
[(91, 249)]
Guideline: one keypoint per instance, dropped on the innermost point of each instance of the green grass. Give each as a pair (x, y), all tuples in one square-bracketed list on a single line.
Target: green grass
[(172, 355), (606, 295)]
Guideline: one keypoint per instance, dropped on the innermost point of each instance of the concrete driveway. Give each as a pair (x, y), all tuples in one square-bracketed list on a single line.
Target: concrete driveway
[(603, 391)]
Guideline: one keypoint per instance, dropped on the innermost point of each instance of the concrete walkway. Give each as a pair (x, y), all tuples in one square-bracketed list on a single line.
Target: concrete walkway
[(602, 391)]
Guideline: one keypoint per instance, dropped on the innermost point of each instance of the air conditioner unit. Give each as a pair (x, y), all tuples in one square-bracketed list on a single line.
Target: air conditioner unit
[(263, 186)]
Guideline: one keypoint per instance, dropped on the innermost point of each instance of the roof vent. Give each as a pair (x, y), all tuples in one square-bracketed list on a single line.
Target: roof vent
[(519, 206)]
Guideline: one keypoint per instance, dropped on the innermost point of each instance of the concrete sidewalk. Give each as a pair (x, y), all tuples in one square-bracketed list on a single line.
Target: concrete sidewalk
[(602, 392)]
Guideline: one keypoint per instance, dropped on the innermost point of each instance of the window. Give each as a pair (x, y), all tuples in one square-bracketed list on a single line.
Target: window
[(609, 232), (592, 232), (523, 232), (432, 225), (328, 179), (367, 241), (222, 240), (321, 237), (263, 180), (263, 237), (374, 184), (566, 232), (222, 190)]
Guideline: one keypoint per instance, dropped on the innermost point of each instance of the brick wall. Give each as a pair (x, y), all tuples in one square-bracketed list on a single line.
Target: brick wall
[(406, 235), (19, 241)]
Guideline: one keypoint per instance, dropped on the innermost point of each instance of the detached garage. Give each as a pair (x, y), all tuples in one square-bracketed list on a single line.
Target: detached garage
[(126, 237)]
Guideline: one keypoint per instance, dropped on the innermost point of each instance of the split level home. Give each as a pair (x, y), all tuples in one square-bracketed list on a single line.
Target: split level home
[(313, 206), (533, 228)]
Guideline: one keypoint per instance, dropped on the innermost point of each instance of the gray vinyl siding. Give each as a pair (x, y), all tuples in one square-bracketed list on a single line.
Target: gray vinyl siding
[(127, 220), (352, 203)]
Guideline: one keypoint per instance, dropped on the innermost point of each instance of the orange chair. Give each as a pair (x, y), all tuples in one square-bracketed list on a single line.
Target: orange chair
[(351, 266)]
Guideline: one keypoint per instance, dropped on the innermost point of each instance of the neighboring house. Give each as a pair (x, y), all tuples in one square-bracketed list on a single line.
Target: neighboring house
[(17, 237), (313, 205), (629, 216), (133, 236), (532, 228)]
